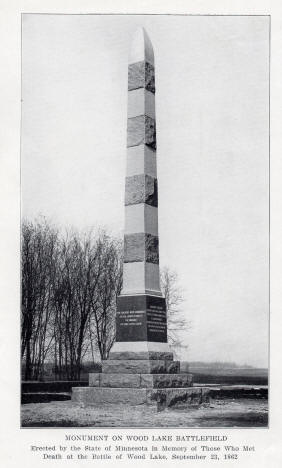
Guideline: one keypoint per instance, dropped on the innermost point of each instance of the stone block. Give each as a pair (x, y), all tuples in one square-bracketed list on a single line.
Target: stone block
[(179, 397), (141, 188), (141, 278), (141, 160), (141, 349), (94, 379), (133, 367), (141, 130), (141, 218), (166, 380), (141, 75), (143, 355), (152, 286), (93, 396), (134, 278), (161, 398), (140, 366), (134, 247), (140, 247), (172, 367), (140, 102), (121, 380), (151, 248)]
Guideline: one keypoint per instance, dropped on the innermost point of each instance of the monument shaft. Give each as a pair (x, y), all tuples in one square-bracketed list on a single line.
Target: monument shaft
[(141, 242), (141, 309)]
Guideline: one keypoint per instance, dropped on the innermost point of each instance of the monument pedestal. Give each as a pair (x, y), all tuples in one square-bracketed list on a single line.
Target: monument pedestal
[(140, 368), (156, 382)]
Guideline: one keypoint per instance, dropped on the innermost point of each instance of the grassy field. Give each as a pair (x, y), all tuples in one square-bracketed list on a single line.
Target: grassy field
[(232, 376)]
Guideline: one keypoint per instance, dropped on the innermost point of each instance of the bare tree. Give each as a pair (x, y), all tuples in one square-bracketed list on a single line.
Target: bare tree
[(76, 291), (39, 253), (65, 322), (88, 281), (102, 320), (176, 321)]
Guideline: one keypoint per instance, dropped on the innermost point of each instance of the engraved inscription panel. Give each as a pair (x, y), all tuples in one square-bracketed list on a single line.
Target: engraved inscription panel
[(131, 318), (141, 318), (156, 319)]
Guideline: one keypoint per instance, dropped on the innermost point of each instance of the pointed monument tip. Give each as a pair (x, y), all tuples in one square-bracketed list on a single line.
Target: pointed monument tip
[(141, 47)]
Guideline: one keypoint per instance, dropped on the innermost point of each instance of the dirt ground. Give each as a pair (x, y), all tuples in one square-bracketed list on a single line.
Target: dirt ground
[(219, 413)]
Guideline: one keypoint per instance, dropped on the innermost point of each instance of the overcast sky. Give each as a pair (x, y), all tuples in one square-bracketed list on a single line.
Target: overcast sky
[(212, 134)]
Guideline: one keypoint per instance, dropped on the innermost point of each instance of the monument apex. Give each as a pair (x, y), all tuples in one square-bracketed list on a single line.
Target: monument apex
[(141, 47)]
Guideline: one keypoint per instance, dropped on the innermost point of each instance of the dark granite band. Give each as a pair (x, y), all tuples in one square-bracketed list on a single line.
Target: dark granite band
[(141, 130), (141, 75), (141, 247), (141, 188)]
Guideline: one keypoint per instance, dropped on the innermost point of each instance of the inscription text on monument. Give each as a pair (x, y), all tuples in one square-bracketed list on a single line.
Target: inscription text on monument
[(141, 318)]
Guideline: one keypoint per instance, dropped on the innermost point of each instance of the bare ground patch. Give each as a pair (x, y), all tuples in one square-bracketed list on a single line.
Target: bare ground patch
[(219, 413)]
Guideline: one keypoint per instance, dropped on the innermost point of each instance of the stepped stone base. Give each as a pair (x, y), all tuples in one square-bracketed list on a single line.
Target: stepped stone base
[(147, 375), (140, 380), (161, 398)]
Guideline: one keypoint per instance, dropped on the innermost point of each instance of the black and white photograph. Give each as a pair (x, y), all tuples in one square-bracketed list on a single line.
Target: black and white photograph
[(144, 221)]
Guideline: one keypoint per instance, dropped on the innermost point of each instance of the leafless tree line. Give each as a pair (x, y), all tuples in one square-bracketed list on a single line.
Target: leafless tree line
[(69, 288)]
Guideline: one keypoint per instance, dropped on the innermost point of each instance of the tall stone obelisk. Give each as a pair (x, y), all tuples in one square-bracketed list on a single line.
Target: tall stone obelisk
[(141, 328), (140, 368)]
